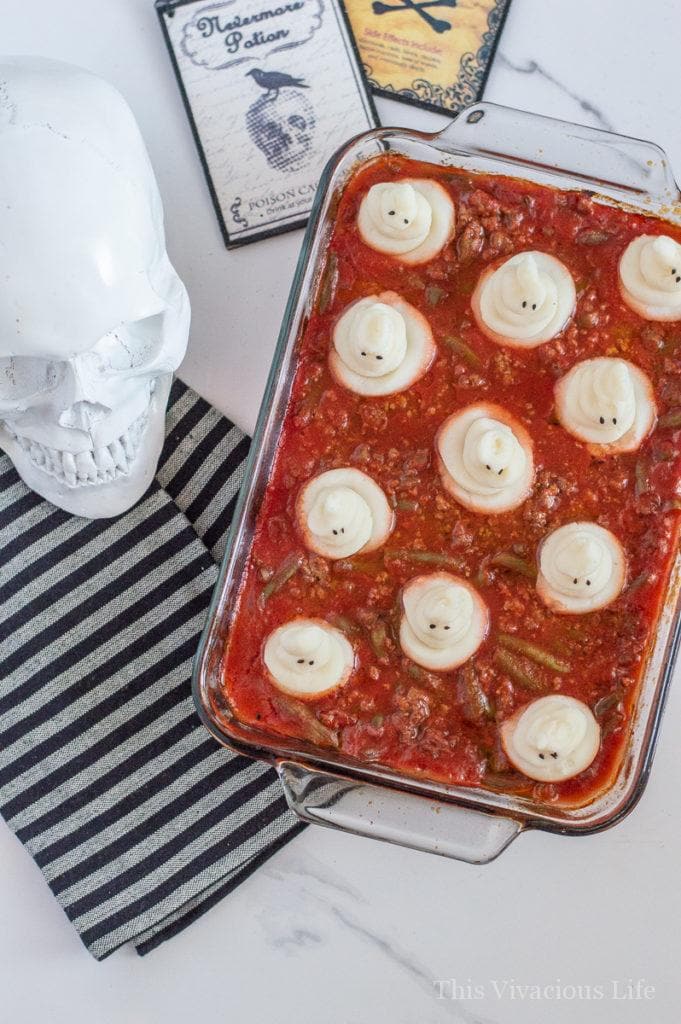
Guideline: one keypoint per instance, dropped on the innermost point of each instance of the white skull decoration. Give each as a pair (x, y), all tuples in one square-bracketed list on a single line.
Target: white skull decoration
[(93, 317)]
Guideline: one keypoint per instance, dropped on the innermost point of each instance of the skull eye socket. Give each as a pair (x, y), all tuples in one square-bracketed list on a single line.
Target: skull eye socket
[(132, 347), (22, 377)]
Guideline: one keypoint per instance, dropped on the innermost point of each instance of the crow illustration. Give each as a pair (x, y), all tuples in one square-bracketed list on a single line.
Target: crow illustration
[(273, 81)]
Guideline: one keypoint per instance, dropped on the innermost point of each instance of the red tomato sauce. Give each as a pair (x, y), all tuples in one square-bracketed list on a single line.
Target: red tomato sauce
[(445, 726)]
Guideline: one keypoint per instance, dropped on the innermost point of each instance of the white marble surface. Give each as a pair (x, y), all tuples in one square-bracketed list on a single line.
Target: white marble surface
[(338, 929)]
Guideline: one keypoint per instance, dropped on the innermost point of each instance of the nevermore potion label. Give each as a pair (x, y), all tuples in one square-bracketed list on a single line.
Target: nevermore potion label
[(272, 89)]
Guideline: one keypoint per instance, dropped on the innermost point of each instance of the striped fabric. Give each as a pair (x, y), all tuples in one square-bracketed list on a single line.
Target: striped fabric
[(137, 819)]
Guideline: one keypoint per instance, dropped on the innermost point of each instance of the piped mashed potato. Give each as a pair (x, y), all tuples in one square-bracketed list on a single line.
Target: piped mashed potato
[(526, 301), (650, 277), (412, 219), (607, 403), (381, 345), (308, 658), (552, 739), (485, 458), (582, 567), (343, 511), (444, 621)]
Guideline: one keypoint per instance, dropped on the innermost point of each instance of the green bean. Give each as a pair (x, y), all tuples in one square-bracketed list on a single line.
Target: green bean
[(288, 568), (345, 624), (357, 565), (536, 653), (416, 672), (328, 284), (475, 705), (671, 418), (434, 293), (641, 478), (607, 703), (517, 670), (637, 583), (463, 350), (507, 560), (428, 557), (496, 756), (378, 637), (481, 577), (312, 728), (592, 237)]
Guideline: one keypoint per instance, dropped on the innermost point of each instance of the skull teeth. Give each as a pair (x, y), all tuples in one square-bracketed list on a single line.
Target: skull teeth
[(91, 467), (118, 456)]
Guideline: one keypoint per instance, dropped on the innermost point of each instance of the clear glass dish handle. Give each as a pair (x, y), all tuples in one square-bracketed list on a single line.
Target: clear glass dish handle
[(616, 164), (395, 816)]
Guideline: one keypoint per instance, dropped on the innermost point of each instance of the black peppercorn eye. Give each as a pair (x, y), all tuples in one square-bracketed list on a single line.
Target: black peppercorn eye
[(310, 662), (524, 304), (301, 661), (614, 419), (431, 626), (391, 213), (601, 419), (588, 583), (534, 305), (575, 581), (542, 756)]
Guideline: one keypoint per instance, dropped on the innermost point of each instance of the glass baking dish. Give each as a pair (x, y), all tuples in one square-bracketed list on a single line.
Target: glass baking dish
[(325, 787)]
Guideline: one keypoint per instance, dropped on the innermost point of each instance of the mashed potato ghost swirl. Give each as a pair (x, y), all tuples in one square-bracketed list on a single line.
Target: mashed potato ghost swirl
[(608, 403), (485, 458), (381, 345), (343, 511), (582, 567), (650, 277), (444, 622), (526, 301), (552, 738), (307, 657), (410, 219)]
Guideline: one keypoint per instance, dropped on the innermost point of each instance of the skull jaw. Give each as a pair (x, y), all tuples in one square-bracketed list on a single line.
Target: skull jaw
[(104, 500)]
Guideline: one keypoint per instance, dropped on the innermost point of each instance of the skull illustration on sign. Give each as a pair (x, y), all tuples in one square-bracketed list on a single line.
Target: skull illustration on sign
[(93, 317), (282, 127)]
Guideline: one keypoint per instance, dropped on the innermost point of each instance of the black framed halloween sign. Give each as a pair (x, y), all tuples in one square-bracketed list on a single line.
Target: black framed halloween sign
[(271, 90), (431, 53)]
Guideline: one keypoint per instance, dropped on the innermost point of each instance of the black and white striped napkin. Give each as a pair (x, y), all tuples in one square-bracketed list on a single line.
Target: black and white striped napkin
[(137, 819)]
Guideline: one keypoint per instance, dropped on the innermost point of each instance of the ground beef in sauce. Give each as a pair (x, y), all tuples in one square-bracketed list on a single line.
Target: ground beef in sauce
[(445, 726)]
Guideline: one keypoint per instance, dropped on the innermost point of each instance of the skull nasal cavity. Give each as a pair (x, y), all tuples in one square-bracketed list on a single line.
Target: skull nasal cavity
[(83, 415)]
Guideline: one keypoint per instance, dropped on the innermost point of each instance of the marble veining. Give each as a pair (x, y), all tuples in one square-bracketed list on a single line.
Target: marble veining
[(533, 67)]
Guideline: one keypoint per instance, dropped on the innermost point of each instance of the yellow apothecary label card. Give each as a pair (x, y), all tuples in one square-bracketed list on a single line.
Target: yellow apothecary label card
[(434, 53)]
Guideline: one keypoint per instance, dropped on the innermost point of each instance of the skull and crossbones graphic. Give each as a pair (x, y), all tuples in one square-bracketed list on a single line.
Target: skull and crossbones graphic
[(421, 7)]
